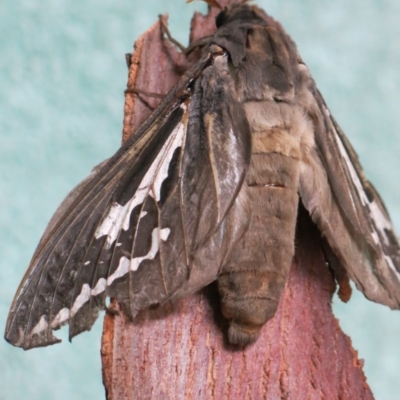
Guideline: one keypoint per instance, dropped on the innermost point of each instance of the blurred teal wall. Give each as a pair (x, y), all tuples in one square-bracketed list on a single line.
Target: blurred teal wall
[(62, 77)]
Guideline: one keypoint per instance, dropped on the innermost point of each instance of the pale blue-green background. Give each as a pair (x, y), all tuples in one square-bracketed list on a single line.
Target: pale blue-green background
[(62, 77)]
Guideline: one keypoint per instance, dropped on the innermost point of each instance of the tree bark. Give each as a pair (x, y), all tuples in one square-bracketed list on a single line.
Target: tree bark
[(180, 351)]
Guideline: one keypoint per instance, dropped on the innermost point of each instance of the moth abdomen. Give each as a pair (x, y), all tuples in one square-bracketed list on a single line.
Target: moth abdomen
[(249, 299), (252, 281)]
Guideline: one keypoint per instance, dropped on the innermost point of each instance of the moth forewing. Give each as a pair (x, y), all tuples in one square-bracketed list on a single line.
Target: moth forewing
[(353, 219), (49, 285), (133, 231)]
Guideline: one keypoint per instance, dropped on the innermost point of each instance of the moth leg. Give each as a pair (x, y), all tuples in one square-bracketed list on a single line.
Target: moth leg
[(204, 41), (145, 93), (165, 29), (253, 279)]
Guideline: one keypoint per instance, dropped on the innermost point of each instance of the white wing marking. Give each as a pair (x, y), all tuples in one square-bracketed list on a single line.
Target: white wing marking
[(119, 216), (86, 293), (40, 326), (124, 265), (99, 288), (122, 269), (163, 234), (389, 262), (380, 221), (60, 318), (82, 298)]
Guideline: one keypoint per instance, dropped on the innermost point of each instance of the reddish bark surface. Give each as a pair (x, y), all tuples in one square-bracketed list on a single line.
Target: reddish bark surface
[(180, 351)]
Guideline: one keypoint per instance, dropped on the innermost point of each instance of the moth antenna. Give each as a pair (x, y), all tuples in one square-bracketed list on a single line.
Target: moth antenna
[(211, 3)]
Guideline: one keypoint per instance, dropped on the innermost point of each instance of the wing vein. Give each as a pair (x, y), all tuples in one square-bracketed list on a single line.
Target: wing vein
[(213, 168)]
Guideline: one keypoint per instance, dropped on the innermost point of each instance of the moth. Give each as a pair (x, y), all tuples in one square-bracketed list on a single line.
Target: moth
[(208, 188)]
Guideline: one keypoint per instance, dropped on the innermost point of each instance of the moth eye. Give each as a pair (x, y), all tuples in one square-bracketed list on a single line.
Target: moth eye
[(221, 18)]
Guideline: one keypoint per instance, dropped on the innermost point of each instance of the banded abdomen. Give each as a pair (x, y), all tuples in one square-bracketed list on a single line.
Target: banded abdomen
[(252, 281)]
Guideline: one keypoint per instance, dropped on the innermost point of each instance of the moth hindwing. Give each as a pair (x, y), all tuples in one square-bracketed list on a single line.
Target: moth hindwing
[(208, 188)]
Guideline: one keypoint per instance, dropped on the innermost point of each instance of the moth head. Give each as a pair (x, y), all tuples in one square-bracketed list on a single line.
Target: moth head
[(270, 66), (263, 57), (239, 11)]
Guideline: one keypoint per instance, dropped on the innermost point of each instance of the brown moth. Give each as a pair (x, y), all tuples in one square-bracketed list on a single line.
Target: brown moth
[(208, 189)]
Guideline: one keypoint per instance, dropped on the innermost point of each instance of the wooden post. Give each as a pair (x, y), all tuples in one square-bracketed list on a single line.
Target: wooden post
[(180, 351)]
